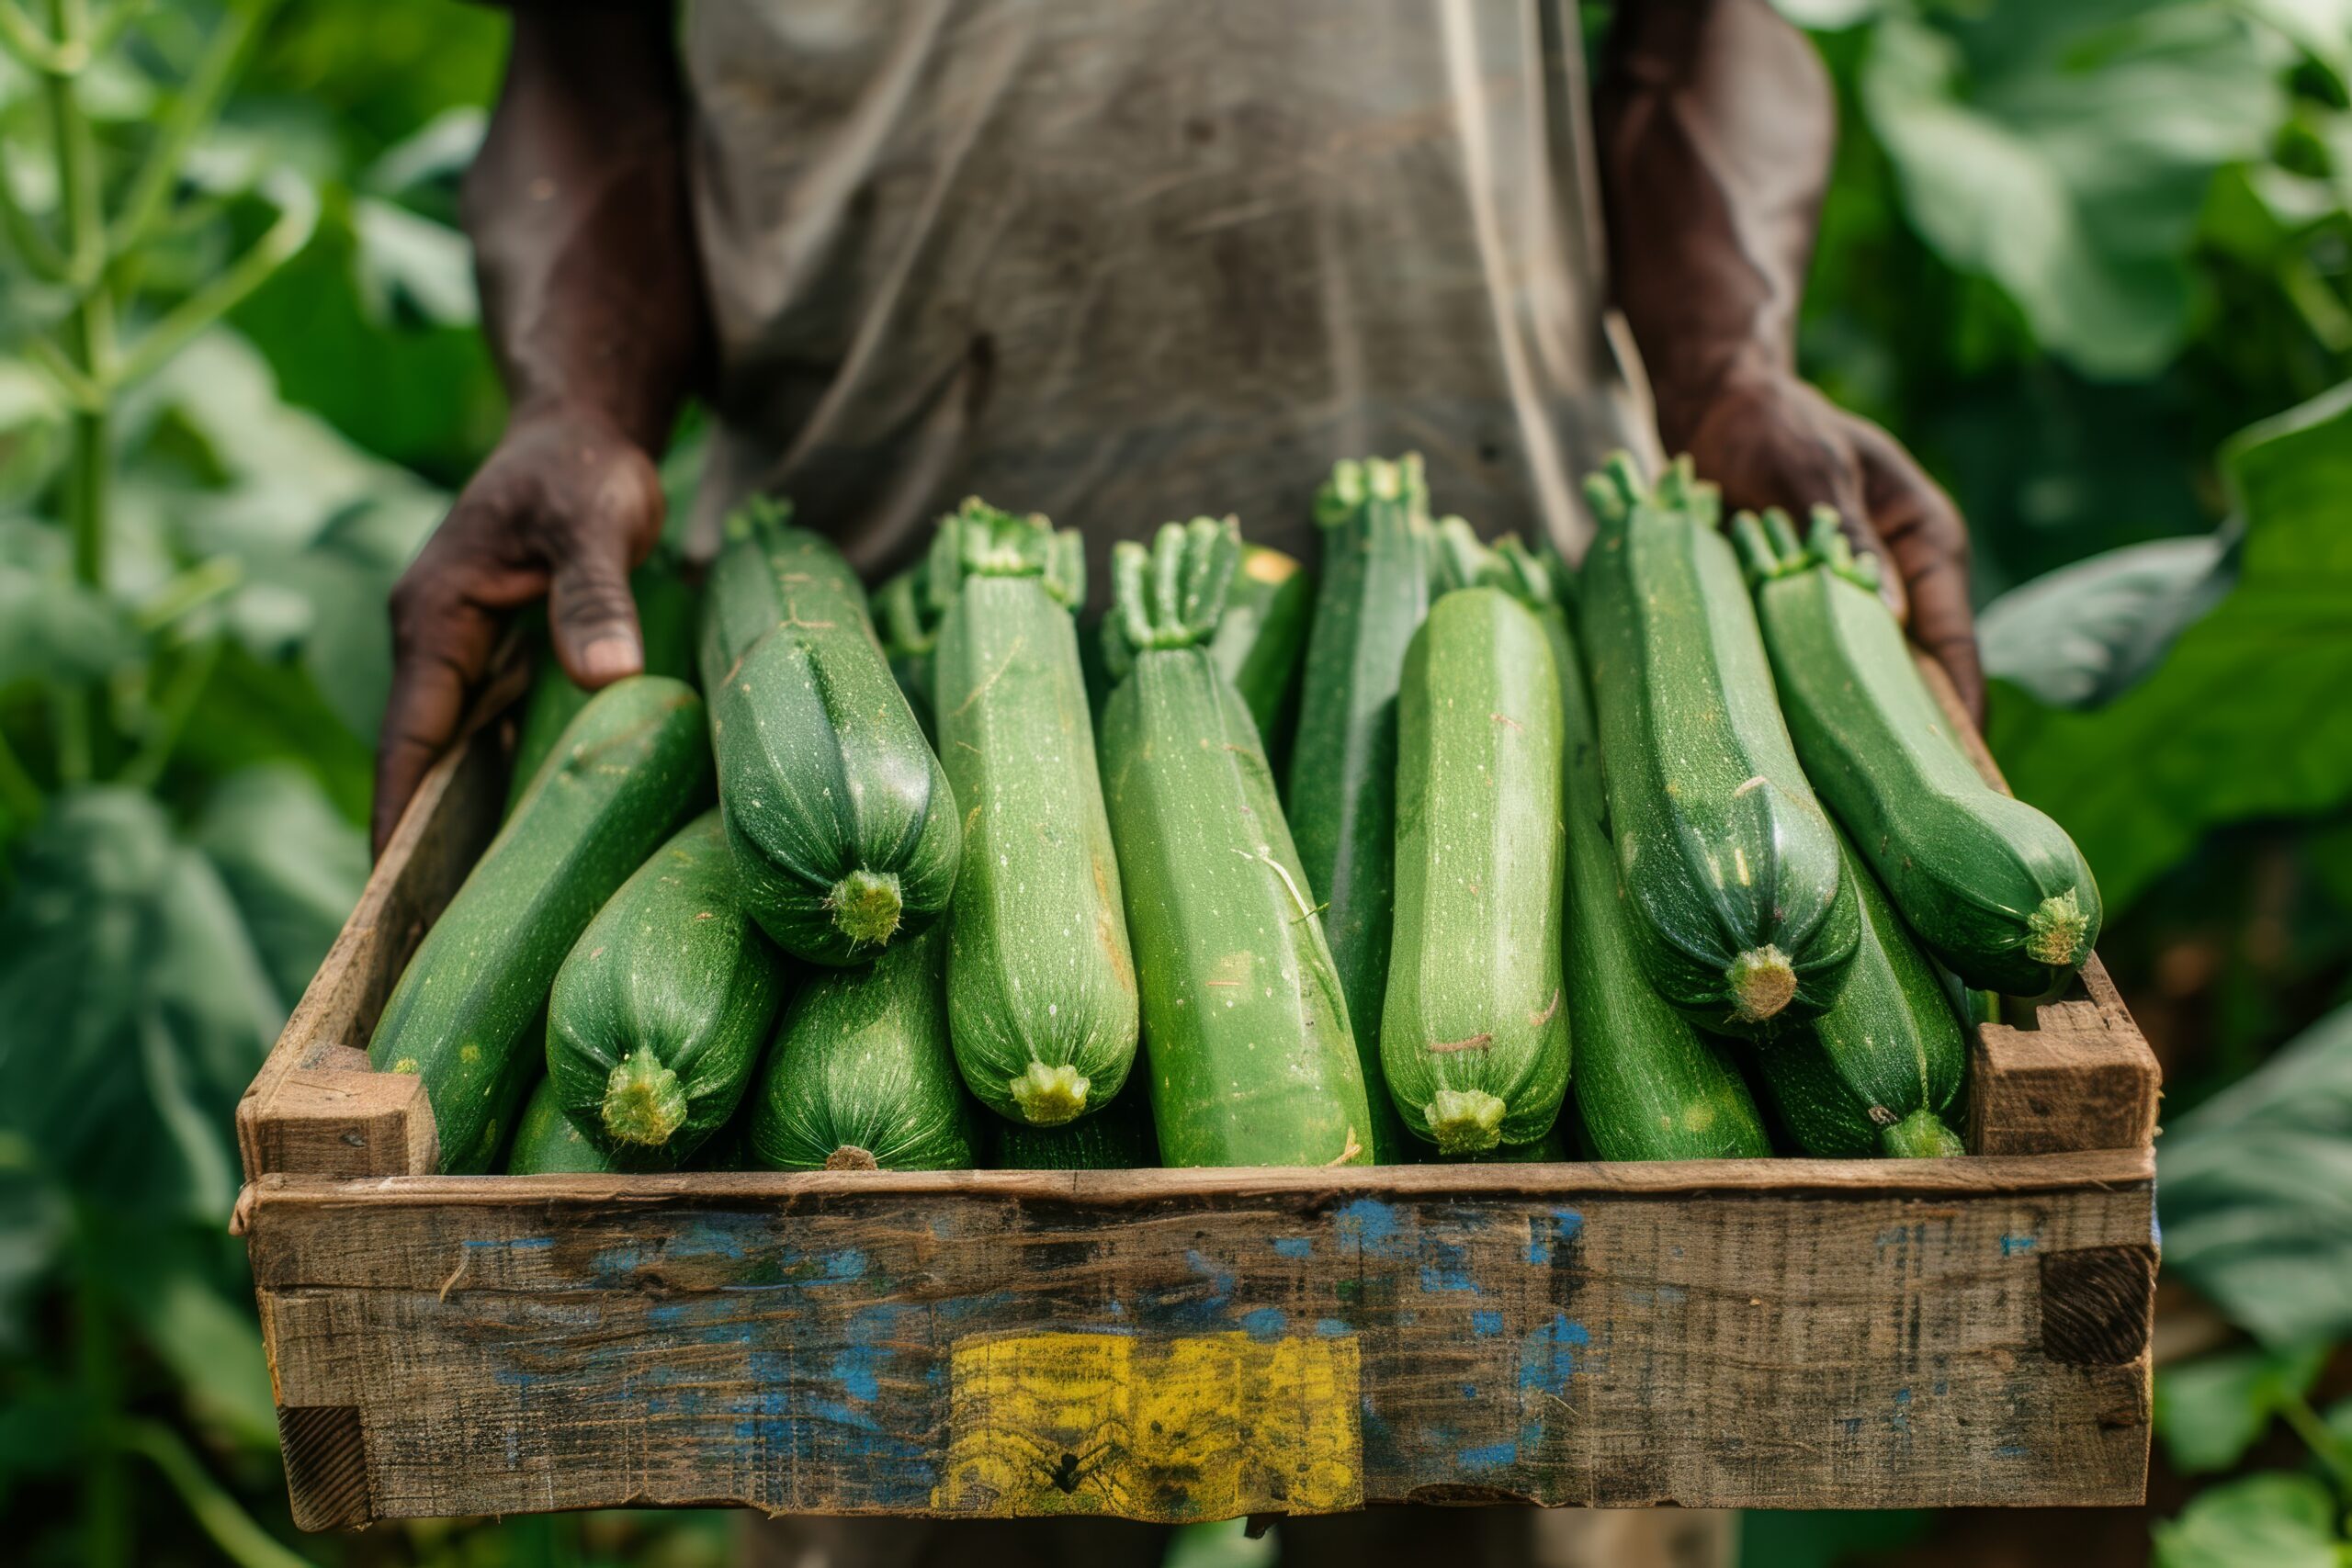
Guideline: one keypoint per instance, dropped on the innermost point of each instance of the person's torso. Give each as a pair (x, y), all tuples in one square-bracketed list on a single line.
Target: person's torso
[(1123, 262)]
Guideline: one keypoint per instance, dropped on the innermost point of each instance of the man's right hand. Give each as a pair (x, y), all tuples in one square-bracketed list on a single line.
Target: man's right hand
[(564, 507)]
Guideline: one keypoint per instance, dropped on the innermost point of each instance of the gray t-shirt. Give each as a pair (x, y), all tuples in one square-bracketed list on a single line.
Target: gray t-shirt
[(1123, 261)]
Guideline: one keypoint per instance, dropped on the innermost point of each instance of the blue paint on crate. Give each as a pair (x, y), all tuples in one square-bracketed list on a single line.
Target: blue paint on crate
[(1901, 1397), (1486, 1321), (1557, 1229), (1265, 1322), (1492, 1457), (520, 1243), (1941, 1388), (1547, 1357), (1293, 1246), (2010, 1450), (1372, 1227), (2013, 1244), (1445, 1267), (1853, 1425), (1333, 1327), (1469, 1391)]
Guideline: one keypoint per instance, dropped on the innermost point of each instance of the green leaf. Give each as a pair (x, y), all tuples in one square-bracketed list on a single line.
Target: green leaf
[(2263, 675), (2254, 1187), (411, 264), (2028, 152), (2211, 1410), (2271, 1520), (2084, 635), (137, 1007), (293, 863)]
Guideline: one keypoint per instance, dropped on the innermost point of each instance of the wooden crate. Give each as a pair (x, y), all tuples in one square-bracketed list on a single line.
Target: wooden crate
[(1189, 1343)]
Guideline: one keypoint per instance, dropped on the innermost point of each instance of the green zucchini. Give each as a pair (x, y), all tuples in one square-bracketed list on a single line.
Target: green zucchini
[(1995, 889), (1261, 635), (1245, 1026), (547, 1143), (665, 621), (1877, 1072), (660, 1011), (1373, 518), (842, 822), (625, 770), (1730, 869), (1474, 1038), (1548, 1147), (861, 1078), (1119, 1138), (1041, 987), (908, 628)]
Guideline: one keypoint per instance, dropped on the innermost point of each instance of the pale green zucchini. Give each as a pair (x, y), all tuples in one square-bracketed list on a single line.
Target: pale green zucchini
[(861, 1077), (1474, 1039), (633, 762), (908, 628), (661, 1009), (1261, 635), (1041, 987), (842, 822), (1246, 1032), (1995, 889), (1731, 872)]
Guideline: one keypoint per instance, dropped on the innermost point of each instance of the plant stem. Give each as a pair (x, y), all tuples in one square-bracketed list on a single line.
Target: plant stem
[(297, 219), (233, 1531), (173, 707), (2317, 1435), (106, 1501), (191, 112), (19, 793)]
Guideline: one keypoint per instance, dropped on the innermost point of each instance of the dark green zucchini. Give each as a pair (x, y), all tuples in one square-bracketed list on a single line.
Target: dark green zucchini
[(1374, 590), (665, 608), (547, 1143), (1474, 1039), (1119, 1138), (1041, 985), (1878, 1073), (1261, 635), (1246, 1030), (908, 628), (663, 1008), (842, 822), (635, 760), (861, 1078), (1995, 889), (1730, 869)]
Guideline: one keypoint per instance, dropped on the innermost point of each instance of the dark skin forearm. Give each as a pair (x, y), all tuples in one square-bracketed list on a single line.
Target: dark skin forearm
[(592, 302), (1716, 127)]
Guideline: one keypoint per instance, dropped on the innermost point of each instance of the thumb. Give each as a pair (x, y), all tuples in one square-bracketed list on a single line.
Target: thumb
[(592, 615)]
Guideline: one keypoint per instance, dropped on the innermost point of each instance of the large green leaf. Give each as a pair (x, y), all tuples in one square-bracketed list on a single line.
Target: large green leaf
[(2271, 1520), (2248, 715), (2254, 1187), (2088, 633), (136, 1007), (2065, 151), (2210, 1411), (293, 863)]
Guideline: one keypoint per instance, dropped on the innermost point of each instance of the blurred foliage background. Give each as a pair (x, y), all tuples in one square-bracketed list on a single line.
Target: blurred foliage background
[(2092, 259)]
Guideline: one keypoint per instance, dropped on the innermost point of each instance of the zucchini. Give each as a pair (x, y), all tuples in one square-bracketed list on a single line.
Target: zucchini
[(661, 1009), (1549, 1147), (1120, 1138), (1995, 889), (546, 1142), (1474, 1036), (665, 607), (1041, 988), (861, 1077), (1731, 873), (908, 628), (632, 763), (1373, 518), (1878, 1072), (841, 823), (1245, 1024), (1261, 634)]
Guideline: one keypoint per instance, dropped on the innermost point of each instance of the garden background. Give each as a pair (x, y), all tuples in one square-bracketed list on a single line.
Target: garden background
[(2092, 259)]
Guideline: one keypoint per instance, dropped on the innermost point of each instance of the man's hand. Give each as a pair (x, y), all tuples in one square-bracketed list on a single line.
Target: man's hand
[(565, 506), (1770, 440)]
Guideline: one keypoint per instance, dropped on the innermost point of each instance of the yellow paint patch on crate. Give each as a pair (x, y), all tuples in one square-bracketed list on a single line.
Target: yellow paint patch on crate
[(1198, 1426)]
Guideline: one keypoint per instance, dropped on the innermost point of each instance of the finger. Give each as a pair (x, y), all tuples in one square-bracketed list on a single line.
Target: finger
[(592, 615), (441, 642), (1927, 542)]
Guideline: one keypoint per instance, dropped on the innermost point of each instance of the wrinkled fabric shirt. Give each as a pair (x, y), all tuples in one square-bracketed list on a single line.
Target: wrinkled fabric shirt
[(1124, 261)]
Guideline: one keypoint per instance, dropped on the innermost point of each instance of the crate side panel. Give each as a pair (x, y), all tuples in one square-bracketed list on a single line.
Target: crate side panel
[(1197, 1358)]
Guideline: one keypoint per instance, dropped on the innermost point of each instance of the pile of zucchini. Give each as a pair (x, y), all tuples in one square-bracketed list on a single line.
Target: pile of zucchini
[(935, 883)]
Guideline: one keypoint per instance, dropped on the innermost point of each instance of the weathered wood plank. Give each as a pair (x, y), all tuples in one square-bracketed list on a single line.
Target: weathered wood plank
[(2081, 1077), (984, 1348)]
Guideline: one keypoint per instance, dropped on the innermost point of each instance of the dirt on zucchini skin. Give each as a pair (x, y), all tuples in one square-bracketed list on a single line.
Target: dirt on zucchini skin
[(633, 762)]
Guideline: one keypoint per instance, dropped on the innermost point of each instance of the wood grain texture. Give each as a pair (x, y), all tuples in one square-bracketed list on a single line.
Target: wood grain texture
[(826, 1346), (1181, 1344)]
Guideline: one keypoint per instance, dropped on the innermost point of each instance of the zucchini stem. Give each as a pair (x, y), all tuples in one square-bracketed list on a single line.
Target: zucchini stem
[(2056, 932), (849, 1157), (865, 907), (1920, 1135), (643, 1103), (1049, 1095), (1762, 982), (1465, 1120)]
